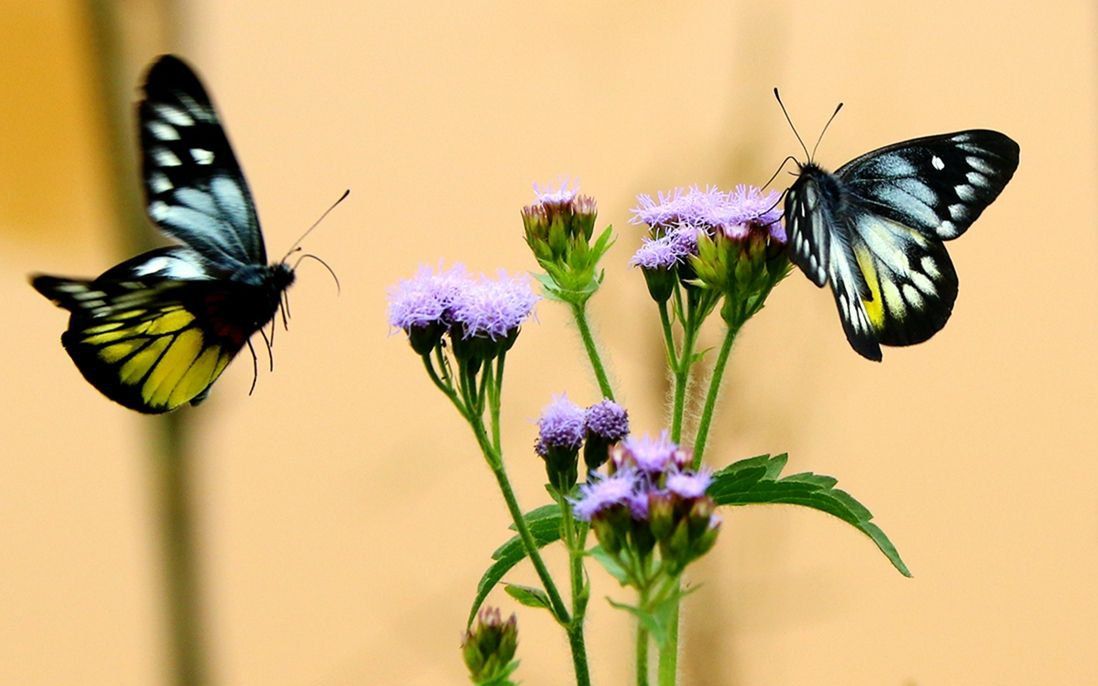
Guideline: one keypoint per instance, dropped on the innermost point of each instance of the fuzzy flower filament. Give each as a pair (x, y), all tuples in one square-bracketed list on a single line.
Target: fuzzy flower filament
[(651, 502), (560, 436), (605, 423)]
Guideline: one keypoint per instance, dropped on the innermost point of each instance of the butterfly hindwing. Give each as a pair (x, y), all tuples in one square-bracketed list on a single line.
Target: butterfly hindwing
[(194, 186), (146, 341), (875, 229)]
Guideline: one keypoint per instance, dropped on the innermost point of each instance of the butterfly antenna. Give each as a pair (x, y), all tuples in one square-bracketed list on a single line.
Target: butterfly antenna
[(833, 115), (777, 171), (786, 113), (339, 289), (315, 224), (268, 343), (255, 366)]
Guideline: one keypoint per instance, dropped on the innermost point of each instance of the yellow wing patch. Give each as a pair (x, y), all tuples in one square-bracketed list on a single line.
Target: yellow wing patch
[(152, 361), (874, 307)]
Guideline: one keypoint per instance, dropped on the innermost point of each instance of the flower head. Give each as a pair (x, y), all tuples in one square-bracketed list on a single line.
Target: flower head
[(748, 210), (659, 253), (493, 308), (737, 214), (489, 648), (650, 455), (689, 484), (561, 426), (607, 420), (600, 495), (426, 298)]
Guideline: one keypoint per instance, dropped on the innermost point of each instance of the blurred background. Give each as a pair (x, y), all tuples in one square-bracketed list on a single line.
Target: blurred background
[(341, 515)]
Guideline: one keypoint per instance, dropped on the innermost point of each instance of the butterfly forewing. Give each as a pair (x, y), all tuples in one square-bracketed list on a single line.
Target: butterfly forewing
[(938, 185), (809, 239), (194, 186)]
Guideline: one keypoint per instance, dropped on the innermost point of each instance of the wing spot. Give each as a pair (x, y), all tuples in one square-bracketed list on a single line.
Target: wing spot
[(948, 230), (162, 131), (158, 210), (937, 163), (165, 157), (892, 298), (202, 156), (159, 183), (978, 179), (979, 165), (958, 211), (965, 192), (930, 266), (922, 283), (173, 115), (913, 296)]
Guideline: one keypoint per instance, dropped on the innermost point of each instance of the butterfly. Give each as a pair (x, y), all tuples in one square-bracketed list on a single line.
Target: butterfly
[(156, 331), (875, 230)]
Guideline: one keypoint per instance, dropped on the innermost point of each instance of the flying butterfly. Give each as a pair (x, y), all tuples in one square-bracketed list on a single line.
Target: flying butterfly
[(156, 331), (875, 229)]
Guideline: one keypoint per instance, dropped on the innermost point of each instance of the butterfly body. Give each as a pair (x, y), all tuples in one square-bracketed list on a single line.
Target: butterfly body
[(156, 331), (875, 230)]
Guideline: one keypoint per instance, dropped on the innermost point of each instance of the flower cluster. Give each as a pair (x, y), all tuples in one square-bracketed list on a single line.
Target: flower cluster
[(489, 649), (651, 500), (559, 229), (481, 315), (565, 427), (730, 242)]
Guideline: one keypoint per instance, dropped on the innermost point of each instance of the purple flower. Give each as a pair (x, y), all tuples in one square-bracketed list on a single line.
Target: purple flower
[(426, 298), (659, 253), (607, 420), (747, 210), (690, 206), (605, 493), (563, 195), (736, 214), (493, 308), (689, 484), (647, 454), (561, 426)]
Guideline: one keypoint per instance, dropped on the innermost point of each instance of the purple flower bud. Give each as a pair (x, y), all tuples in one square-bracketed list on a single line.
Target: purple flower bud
[(561, 425), (607, 420)]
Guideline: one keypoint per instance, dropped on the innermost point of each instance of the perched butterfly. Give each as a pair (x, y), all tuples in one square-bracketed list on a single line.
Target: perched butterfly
[(156, 331), (875, 228)]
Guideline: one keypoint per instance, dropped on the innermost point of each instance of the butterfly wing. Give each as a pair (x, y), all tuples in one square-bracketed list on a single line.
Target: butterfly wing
[(195, 189), (937, 185), (875, 228), (151, 333)]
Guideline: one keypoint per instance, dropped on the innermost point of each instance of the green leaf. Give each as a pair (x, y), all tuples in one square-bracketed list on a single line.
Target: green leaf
[(610, 564), (528, 596), (755, 480), (544, 524)]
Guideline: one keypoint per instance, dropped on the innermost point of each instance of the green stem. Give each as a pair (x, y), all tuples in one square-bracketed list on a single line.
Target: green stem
[(579, 312), (669, 652), (576, 540), (668, 337), (711, 395), (682, 376), (495, 462), (642, 655)]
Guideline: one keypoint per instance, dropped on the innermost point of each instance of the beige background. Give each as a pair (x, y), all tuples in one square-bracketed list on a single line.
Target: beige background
[(343, 511)]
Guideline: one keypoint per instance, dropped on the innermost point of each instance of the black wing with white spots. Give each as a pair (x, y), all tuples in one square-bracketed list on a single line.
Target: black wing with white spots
[(875, 229), (194, 186)]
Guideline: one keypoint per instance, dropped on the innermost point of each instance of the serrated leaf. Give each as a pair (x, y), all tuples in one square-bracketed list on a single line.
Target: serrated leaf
[(756, 481), (528, 596), (544, 524)]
